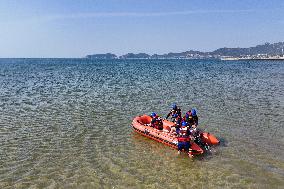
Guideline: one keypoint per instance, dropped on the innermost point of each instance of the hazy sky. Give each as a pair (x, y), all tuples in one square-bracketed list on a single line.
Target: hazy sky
[(61, 28)]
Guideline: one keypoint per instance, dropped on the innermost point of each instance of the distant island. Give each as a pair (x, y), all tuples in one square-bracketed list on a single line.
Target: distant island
[(266, 51)]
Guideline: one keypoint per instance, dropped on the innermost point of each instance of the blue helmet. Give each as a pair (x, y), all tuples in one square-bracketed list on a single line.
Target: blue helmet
[(184, 124), (153, 114), (193, 112), (174, 106)]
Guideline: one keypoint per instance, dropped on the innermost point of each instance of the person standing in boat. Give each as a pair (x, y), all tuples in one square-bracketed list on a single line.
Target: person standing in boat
[(156, 121), (174, 113), (184, 139), (194, 117)]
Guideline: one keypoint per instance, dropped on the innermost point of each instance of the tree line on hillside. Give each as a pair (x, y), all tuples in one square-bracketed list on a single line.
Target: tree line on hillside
[(267, 48)]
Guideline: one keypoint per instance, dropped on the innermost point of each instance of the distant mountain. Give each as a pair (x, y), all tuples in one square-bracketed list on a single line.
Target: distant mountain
[(102, 56), (267, 49), (135, 56), (183, 55)]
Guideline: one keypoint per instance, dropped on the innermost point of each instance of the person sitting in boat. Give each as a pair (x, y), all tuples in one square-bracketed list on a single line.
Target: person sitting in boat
[(184, 139), (156, 121), (175, 111)]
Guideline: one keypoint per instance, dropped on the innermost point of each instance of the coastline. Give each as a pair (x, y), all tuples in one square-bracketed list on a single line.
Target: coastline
[(235, 58)]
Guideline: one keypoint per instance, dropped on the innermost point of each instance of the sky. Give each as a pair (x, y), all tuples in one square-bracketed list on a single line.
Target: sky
[(69, 28)]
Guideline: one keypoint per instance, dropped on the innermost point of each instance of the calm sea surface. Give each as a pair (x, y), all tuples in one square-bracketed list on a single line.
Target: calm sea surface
[(65, 123)]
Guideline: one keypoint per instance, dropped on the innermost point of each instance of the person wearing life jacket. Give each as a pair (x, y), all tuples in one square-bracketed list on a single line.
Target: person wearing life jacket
[(175, 111), (188, 118), (194, 117), (188, 113), (184, 139), (156, 121), (159, 123)]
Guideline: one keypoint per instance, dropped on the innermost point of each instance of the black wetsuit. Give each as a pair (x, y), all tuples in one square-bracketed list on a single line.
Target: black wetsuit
[(176, 111), (157, 123), (195, 120)]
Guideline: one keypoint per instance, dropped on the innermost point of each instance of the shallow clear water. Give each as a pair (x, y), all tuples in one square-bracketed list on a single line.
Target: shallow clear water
[(65, 123)]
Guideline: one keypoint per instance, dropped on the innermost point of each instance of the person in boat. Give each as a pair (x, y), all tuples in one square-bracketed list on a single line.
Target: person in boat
[(177, 120), (184, 139), (188, 118), (175, 111), (191, 117), (156, 121), (197, 135), (194, 132), (194, 117)]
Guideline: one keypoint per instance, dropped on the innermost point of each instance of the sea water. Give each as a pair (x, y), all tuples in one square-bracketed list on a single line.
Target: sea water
[(66, 123)]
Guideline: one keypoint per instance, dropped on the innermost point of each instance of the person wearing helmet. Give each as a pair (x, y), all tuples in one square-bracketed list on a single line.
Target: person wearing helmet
[(191, 117), (153, 114), (188, 118), (175, 112), (156, 121), (194, 117), (184, 139)]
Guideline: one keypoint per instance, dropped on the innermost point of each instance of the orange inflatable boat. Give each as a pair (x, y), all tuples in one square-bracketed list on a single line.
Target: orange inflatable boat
[(140, 125), (209, 139)]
